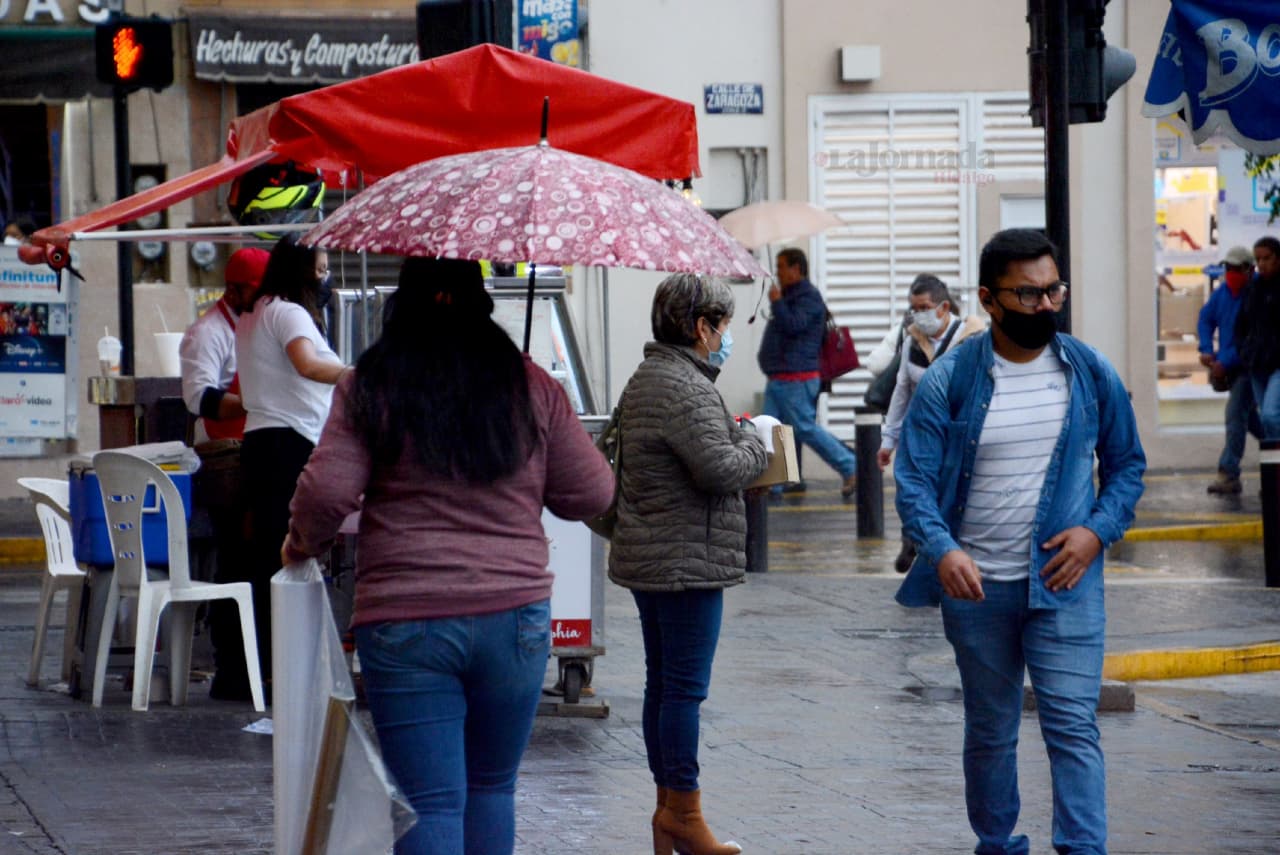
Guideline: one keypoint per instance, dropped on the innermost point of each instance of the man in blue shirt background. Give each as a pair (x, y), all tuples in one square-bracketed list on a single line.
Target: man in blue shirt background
[(1226, 373), (789, 357)]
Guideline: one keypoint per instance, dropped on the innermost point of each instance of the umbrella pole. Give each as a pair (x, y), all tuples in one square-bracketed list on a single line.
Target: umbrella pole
[(528, 307), (362, 340), (608, 363)]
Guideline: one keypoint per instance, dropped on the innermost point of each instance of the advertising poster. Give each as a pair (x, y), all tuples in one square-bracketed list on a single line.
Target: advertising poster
[(37, 351), (1243, 209), (549, 29)]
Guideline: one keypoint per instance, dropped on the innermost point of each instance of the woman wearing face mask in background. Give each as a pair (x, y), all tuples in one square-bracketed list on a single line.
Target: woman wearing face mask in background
[(287, 371), (934, 329)]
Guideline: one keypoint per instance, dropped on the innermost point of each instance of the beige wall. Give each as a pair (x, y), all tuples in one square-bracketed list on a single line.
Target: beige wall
[(925, 46)]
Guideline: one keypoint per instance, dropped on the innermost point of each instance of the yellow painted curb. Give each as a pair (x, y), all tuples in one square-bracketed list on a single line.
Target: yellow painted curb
[(1251, 530), (1191, 662), (21, 550)]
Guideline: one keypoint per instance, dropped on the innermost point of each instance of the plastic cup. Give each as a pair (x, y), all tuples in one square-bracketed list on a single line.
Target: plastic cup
[(167, 349), (109, 350)]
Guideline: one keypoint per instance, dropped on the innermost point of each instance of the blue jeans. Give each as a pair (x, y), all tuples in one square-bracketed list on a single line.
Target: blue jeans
[(994, 640), (795, 403), (1241, 420), (681, 630), (453, 701), (1266, 393)]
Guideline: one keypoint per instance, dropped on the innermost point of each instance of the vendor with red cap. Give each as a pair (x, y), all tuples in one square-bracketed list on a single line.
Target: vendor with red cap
[(211, 389), (208, 350)]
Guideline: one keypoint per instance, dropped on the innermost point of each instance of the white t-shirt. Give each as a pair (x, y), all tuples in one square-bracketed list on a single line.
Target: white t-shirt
[(273, 392), (208, 354), (1023, 422)]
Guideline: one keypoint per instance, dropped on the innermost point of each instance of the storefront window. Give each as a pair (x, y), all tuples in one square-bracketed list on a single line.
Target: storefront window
[(1206, 203)]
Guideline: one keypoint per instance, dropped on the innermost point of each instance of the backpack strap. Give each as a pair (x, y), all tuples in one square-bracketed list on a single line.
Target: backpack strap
[(946, 340)]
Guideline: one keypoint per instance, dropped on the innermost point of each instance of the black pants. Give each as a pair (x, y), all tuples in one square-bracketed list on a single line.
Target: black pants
[(271, 459)]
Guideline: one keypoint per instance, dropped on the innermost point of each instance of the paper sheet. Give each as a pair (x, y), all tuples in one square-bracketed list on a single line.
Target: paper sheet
[(764, 427)]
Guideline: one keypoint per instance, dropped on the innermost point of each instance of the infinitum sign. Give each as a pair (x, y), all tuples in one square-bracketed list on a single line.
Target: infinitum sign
[(37, 353)]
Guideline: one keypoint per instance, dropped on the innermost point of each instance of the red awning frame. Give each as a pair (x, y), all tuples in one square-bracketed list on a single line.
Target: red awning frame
[(479, 98)]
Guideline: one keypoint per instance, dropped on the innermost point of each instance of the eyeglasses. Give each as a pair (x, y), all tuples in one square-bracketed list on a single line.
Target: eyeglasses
[(1030, 296)]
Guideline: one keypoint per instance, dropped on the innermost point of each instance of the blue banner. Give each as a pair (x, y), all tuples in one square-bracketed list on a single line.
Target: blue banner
[(1218, 65)]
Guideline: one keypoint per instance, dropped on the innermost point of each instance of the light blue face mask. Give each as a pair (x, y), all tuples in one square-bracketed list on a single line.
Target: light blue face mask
[(719, 357)]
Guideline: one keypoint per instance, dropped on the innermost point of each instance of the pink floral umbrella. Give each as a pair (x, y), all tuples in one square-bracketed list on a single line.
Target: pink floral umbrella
[(539, 204)]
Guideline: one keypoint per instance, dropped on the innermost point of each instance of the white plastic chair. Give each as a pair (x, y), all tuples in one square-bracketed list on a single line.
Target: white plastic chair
[(123, 479), (52, 499)]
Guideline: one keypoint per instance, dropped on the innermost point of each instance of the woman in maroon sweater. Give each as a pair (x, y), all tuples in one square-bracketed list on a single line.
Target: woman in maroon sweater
[(456, 442)]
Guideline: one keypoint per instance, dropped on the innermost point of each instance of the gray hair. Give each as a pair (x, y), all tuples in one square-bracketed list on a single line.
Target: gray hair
[(681, 299)]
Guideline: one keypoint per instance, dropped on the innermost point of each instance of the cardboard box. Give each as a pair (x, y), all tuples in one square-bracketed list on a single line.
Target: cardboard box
[(783, 467)]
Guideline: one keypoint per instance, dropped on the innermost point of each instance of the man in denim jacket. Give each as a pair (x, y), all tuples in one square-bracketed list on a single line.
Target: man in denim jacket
[(995, 485)]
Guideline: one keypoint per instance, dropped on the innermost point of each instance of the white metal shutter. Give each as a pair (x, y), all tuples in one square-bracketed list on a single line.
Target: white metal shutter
[(888, 168), (1011, 147), (903, 172)]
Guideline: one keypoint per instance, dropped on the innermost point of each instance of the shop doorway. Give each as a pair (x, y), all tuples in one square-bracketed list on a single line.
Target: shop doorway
[(26, 176), (1201, 211)]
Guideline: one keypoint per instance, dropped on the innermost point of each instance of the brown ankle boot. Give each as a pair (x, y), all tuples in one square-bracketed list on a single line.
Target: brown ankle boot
[(679, 826), (662, 802)]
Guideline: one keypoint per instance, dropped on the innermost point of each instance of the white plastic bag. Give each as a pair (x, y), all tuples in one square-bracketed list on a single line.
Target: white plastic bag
[(308, 669)]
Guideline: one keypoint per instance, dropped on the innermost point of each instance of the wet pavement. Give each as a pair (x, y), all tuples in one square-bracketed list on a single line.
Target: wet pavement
[(833, 726)]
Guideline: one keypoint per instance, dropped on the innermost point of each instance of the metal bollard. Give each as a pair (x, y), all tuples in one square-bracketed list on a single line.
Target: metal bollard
[(1270, 471), (757, 530), (866, 438)]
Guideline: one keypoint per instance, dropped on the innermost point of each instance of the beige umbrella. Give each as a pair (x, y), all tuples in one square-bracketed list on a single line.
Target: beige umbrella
[(764, 223)]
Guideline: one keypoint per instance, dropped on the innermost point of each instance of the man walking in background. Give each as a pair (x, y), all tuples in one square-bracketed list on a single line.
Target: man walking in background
[(1257, 340), (995, 486), (1225, 372), (789, 358)]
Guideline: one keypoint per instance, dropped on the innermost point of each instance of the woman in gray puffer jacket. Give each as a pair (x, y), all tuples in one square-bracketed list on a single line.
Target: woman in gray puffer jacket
[(681, 533)]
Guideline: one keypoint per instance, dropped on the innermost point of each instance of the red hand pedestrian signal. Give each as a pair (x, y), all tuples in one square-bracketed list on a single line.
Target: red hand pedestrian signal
[(135, 52), (127, 53)]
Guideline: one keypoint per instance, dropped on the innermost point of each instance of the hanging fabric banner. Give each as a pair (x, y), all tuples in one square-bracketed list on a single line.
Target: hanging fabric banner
[(1217, 66)]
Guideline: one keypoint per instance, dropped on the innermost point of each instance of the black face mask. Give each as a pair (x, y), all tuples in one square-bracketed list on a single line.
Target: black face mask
[(1030, 332), (324, 292)]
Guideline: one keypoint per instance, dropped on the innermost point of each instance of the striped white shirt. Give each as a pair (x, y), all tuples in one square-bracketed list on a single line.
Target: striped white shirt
[(1023, 422)]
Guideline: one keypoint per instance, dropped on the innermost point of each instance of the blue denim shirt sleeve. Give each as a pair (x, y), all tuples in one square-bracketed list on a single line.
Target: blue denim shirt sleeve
[(1121, 461), (1220, 314), (1207, 322), (922, 464)]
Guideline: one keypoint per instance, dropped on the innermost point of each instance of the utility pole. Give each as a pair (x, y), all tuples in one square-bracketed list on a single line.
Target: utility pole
[(1057, 124), (124, 249)]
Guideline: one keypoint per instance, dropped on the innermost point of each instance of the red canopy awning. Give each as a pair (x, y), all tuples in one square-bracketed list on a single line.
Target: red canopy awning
[(479, 98), (483, 97)]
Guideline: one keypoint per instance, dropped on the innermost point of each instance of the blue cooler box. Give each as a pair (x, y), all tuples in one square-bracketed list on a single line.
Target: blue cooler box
[(89, 521)]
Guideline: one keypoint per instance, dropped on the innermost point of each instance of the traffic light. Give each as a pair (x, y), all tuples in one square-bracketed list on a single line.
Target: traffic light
[(135, 52), (1095, 69)]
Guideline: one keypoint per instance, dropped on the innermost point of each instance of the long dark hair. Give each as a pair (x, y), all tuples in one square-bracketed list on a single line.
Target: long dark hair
[(291, 275), (446, 376)]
